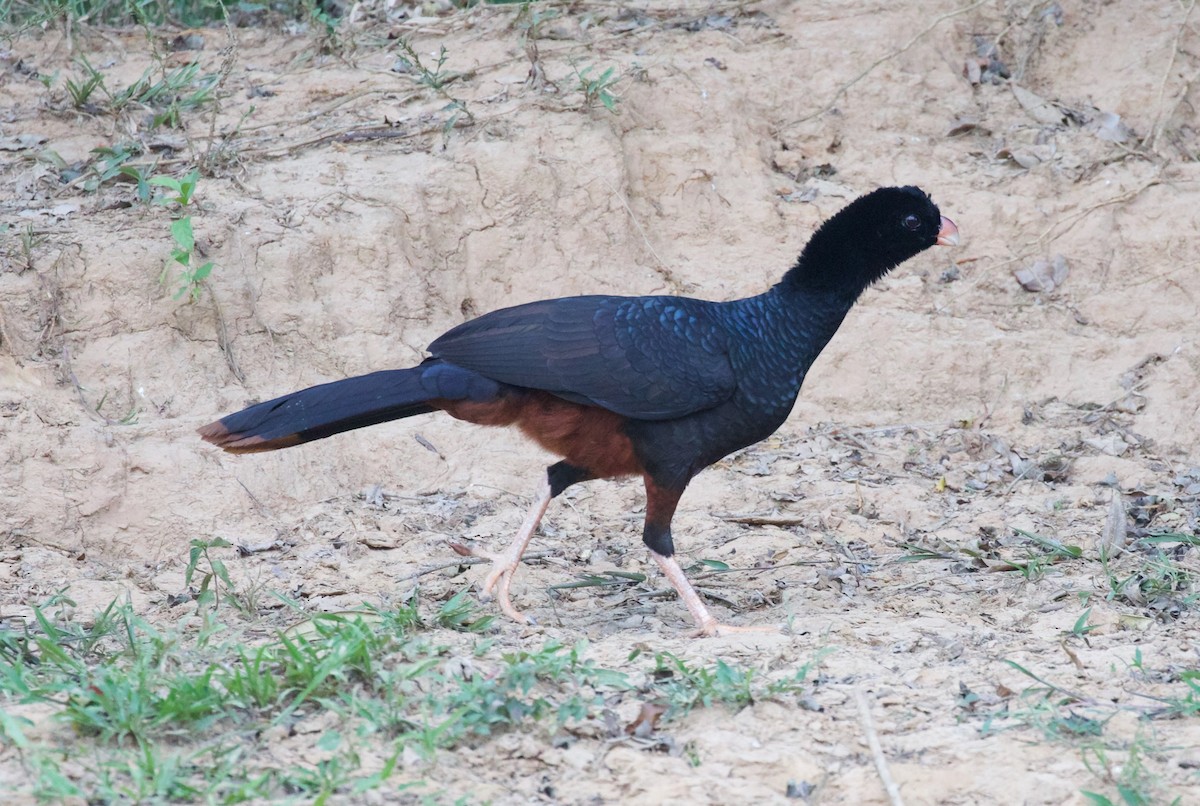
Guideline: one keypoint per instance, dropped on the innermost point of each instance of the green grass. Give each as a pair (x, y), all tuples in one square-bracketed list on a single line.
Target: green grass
[(20, 13), (1148, 576), (1128, 770), (1151, 579), (189, 13), (185, 714)]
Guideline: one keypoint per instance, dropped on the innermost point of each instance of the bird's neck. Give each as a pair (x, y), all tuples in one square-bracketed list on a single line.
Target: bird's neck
[(821, 271), (805, 314), (839, 260), (795, 325)]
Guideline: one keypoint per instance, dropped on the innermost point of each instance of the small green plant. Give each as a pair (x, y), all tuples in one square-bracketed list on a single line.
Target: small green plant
[(128, 418), (27, 240), (685, 687), (167, 91), (1134, 783), (192, 273), (532, 17), (460, 613), (213, 575), (1034, 566), (176, 91), (111, 163), (436, 79), (1081, 626), (1186, 704), (1157, 582), (183, 189), (27, 14), (322, 24), (598, 89)]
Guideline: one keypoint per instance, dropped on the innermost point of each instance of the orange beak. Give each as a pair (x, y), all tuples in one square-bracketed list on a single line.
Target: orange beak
[(948, 234)]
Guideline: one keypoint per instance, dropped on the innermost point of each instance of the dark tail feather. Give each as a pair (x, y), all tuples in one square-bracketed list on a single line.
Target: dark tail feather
[(331, 408), (322, 411)]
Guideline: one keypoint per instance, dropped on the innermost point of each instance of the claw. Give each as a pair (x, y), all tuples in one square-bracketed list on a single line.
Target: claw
[(715, 629), (500, 570)]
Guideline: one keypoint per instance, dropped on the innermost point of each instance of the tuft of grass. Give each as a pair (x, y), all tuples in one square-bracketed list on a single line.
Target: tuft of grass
[(173, 92), (80, 91), (437, 77), (1125, 772), (686, 687), (20, 244), (1069, 717), (114, 163), (462, 614), (19, 15)]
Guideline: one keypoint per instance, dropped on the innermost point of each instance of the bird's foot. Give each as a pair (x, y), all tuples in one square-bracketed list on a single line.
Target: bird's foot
[(498, 579), (504, 564), (712, 627), (706, 625)]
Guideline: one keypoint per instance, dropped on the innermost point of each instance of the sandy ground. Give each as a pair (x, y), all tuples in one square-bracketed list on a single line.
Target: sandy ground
[(953, 407)]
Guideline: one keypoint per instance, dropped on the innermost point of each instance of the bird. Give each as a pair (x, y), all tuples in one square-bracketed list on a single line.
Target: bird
[(657, 387)]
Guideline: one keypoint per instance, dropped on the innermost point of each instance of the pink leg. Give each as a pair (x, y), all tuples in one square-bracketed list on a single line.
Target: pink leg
[(705, 623), (505, 563)]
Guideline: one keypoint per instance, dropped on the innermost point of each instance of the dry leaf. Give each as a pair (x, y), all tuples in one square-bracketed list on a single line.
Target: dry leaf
[(1037, 107), (1108, 126), (1128, 621), (1116, 530), (379, 540), (21, 142), (1024, 157), (1109, 444), (1044, 275), (963, 125), (647, 720), (973, 70)]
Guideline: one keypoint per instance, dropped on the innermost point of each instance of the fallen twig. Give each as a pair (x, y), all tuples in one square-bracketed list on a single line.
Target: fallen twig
[(223, 342), (1039, 244), (762, 520), (664, 270), (70, 373), (359, 134), (1160, 119), (531, 555), (1067, 222), (881, 765)]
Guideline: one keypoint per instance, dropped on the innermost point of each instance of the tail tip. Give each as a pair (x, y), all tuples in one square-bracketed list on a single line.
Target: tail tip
[(218, 434), (214, 432)]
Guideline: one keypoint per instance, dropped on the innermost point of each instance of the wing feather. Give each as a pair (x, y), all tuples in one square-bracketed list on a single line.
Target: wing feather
[(651, 358)]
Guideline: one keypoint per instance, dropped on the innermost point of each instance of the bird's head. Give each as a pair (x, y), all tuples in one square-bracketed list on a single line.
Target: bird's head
[(868, 238)]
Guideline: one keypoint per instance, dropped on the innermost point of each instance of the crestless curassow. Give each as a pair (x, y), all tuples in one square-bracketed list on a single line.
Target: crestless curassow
[(658, 387)]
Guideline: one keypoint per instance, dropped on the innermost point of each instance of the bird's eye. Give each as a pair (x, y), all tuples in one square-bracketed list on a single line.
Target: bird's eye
[(912, 222)]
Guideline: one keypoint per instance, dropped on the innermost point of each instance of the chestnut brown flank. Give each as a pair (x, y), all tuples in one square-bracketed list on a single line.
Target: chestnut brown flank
[(588, 437)]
